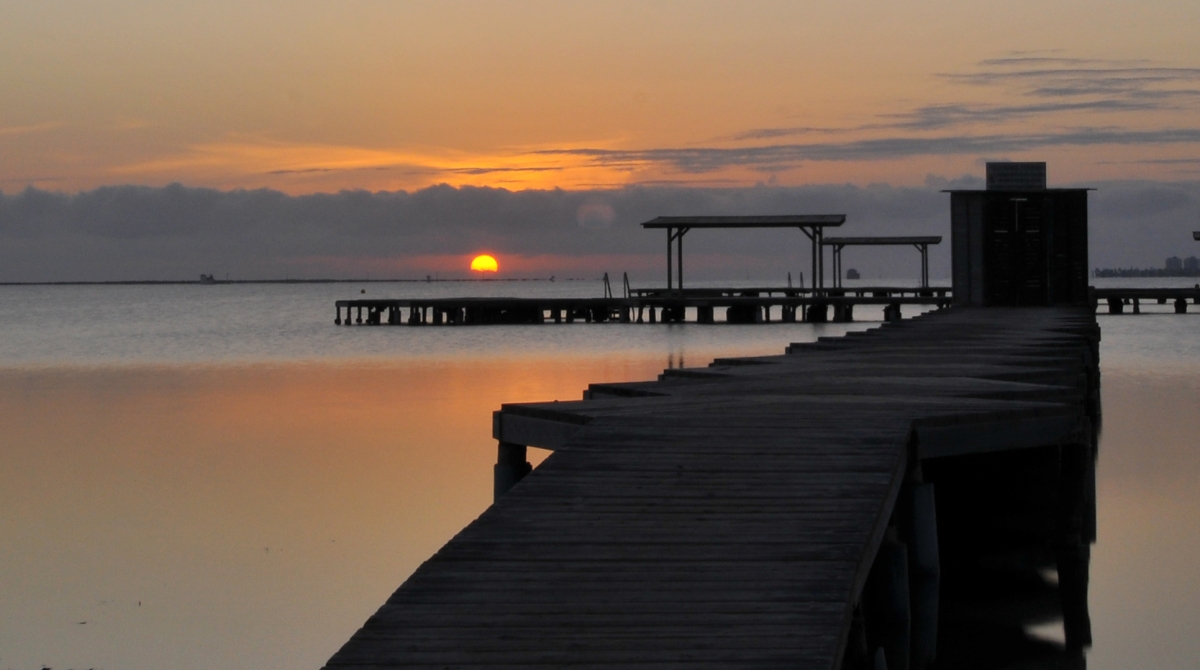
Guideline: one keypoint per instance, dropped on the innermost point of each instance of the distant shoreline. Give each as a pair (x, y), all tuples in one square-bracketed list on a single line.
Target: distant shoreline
[(1144, 272), (197, 282)]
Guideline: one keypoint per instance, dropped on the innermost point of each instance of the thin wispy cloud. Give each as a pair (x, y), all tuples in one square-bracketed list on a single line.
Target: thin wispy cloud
[(781, 156), (1054, 101), (1080, 87), (28, 129), (935, 117)]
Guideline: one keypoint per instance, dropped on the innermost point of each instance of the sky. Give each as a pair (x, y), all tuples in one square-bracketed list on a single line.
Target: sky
[(596, 99)]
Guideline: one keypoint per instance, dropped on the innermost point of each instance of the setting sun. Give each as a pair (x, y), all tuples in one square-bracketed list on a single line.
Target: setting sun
[(485, 263)]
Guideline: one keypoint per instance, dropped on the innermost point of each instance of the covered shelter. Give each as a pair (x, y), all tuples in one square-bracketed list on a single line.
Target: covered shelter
[(920, 242), (812, 225)]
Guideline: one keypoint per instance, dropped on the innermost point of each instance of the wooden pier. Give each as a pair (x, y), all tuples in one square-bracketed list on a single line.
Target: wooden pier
[(805, 510), (734, 305), (1117, 298)]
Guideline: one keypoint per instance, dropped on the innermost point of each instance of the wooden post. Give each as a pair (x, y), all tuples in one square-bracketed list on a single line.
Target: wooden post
[(925, 573), (1072, 552), (889, 621), (337, 320), (511, 467), (817, 313)]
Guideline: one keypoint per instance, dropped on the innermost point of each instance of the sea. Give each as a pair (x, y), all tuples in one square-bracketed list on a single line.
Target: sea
[(216, 476)]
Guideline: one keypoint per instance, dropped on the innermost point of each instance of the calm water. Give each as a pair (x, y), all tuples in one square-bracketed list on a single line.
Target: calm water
[(218, 477)]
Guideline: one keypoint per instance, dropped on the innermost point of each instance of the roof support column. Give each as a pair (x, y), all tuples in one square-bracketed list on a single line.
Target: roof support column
[(820, 232), (679, 253), (670, 263), (924, 250), (812, 237), (675, 235)]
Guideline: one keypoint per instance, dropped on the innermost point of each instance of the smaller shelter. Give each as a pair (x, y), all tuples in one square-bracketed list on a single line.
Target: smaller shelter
[(812, 225), (921, 243)]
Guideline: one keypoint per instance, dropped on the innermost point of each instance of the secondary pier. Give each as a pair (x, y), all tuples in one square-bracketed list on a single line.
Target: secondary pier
[(799, 510), (736, 305), (1117, 298)]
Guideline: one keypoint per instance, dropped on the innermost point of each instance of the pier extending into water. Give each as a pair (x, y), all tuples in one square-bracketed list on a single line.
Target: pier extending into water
[(812, 509), (734, 305), (1116, 299)]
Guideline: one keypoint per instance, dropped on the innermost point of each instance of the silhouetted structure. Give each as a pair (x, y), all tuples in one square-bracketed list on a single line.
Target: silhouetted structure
[(641, 305), (812, 225), (1174, 264), (920, 242), (1018, 243)]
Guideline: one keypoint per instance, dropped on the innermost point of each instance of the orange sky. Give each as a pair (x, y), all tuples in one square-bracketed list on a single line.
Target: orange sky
[(312, 96)]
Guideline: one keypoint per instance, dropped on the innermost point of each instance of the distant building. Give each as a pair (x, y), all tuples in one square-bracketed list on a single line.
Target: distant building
[(1191, 263), (1174, 264), (853, 274)]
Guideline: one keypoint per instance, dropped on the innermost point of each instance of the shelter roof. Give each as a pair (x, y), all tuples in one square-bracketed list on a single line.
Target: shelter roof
[(847, 241), (1010, 191), (782, 221)]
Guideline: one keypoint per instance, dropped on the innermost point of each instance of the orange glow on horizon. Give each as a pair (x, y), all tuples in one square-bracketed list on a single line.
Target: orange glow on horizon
[(485, 263)]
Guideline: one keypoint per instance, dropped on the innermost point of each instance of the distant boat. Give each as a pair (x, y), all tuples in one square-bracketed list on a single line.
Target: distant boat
[(207, 279), (852, 274)]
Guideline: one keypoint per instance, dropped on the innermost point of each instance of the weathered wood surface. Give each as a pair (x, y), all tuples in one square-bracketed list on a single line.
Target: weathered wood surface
[(725, 516)]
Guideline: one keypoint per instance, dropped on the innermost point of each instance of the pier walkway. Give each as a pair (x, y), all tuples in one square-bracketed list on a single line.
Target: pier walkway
[(770, 512)]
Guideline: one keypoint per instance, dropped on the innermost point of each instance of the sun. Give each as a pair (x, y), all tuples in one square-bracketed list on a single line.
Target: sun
[(485, 263)]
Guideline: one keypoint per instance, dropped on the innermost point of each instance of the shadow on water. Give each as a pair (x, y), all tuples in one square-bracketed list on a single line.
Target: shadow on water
[(1000, 523), (988, 617)]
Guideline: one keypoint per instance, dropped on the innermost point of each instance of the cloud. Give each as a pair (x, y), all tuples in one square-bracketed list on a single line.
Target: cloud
[(595, 214), (28, 129), (934, 117), (786, 156), (176, 232), (1060, 101)]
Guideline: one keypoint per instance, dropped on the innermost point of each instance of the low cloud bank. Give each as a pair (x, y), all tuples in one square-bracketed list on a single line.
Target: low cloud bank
[(176, 232)]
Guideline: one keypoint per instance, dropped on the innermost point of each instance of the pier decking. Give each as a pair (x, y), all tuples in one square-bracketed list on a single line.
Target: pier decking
[(770, 512)]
